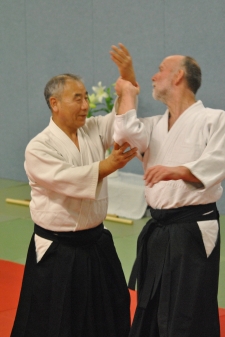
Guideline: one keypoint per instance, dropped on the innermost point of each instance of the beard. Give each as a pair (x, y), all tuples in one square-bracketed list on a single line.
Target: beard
[(154, 95), (160, 95)]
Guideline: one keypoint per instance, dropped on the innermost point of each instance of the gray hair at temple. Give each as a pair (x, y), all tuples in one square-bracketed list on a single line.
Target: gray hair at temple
[(193, 73), (56, 84)]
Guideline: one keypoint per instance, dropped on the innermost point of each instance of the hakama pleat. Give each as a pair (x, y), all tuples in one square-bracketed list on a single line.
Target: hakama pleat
[(177, 283), (77, 289)]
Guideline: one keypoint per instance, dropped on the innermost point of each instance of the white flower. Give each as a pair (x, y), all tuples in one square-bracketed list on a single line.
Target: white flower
[(96, 102), (100, 92), (93, 100)]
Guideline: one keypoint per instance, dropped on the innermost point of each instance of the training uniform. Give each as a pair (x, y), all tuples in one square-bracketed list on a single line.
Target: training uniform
[(73, 283), (177, 264)]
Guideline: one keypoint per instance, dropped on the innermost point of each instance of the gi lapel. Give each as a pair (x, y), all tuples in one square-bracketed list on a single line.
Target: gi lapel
[(163, 140)]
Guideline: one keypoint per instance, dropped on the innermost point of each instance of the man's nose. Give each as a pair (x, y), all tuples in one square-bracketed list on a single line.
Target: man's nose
[(85, 104), (153, 77)]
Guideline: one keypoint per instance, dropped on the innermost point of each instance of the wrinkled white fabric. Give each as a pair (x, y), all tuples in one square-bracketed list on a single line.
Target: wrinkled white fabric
[(65, 192), (196, 141)]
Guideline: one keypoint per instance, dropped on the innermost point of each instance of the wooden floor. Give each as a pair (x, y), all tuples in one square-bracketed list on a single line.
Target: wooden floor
[(16, 228)]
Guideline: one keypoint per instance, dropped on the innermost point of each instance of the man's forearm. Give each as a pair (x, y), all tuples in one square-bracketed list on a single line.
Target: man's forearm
[(127, 95), (125, 103), (105, 169), (119, 157), (186, 175), (158, 173)]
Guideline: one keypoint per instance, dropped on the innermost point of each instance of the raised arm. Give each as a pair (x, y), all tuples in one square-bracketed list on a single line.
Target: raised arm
[(122, 58), (127, 93), (127, 127)]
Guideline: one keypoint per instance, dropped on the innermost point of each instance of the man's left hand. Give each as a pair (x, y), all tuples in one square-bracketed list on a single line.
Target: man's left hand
[(158, 173), (122, 58)]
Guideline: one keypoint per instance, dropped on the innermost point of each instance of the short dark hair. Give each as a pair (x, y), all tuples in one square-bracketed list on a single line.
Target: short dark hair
[(56, 84), (193, 73)]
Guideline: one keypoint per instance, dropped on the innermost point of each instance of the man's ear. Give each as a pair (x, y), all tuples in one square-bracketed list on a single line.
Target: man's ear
[(179, 76), (53, 101)]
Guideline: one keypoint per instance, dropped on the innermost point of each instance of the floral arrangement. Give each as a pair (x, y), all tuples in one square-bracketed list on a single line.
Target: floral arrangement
[(102, 99)]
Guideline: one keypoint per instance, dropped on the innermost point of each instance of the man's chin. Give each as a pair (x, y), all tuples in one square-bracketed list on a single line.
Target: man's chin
[(154, 96)]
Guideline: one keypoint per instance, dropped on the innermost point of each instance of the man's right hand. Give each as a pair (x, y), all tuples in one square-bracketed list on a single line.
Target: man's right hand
[(127, 93), (118, 158), (123, 87)]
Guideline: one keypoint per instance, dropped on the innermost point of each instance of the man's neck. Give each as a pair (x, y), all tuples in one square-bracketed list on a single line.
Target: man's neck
[(177, 107), (71, 133)]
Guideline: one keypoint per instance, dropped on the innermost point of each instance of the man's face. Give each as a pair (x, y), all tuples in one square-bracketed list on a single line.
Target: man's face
[(72, 106), (162, 80)]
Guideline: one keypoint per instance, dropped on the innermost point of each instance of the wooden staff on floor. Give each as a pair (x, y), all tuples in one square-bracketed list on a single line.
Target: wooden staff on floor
[(109, 217)]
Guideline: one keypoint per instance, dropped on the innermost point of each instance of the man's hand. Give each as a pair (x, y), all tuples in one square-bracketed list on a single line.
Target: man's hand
[(127, 96), (122, 58), (158, 173), (116, 160), (125, 87)]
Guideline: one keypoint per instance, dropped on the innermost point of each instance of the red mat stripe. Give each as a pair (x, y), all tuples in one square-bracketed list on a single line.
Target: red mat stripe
[(10, 283)]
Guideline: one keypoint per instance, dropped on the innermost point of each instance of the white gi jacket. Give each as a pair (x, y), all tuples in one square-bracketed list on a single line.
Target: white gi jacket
[(196, 141), (65, 192)]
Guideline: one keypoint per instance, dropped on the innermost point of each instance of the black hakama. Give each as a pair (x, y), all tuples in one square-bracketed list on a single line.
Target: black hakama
[(77, 289), (177, 283)]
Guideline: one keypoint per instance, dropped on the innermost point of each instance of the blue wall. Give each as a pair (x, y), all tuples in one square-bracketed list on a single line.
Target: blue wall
[(39, 39)]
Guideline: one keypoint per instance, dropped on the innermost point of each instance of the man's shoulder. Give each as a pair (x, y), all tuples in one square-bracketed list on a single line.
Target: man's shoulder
[(41, 138), (93, 123), (206, 117), (212, 111), (209, 111), (213, 115)]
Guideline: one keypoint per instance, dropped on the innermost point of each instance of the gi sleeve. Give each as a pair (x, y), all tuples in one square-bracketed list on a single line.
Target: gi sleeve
[(210, 167), (47, 168), (103, 126), (128, 128)]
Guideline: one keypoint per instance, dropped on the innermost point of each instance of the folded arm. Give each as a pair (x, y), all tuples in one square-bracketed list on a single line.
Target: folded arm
[(158, 173), (208, 169)]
